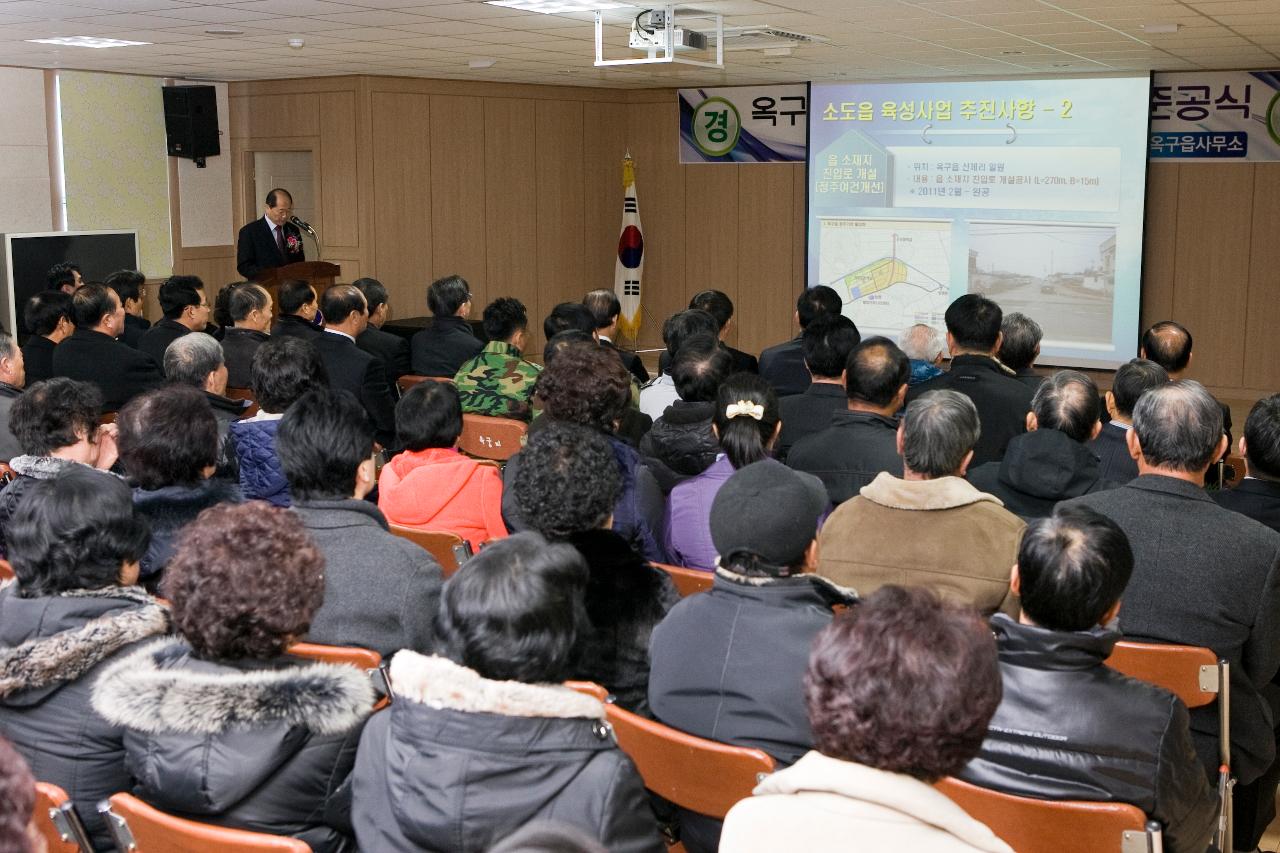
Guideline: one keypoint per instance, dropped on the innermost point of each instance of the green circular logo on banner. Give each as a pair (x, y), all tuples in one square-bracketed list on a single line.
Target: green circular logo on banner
[(1273, 118), (716, 126)]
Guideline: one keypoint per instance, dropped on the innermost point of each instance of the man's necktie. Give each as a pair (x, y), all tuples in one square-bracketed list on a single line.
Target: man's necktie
[(280, 239)]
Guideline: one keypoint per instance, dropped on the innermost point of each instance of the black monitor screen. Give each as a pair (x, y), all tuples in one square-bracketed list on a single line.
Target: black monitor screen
[(97, 254)]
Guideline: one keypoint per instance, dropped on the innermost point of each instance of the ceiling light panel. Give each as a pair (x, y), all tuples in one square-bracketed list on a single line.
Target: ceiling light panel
[(558, 7), (88, 41)]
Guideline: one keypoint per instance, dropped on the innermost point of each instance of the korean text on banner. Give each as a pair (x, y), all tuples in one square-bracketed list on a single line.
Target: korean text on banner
[(744, 124)]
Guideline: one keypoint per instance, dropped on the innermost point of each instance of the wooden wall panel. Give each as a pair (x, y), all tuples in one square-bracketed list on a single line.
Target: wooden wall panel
[(604, 142), (339, 171), (510, 186), (458, 242), (402, 192), (1215, 205), (281, 115), (711, 232), (559, 207), (1160, 234), (1262, 307), (660, 182), (767, 249)]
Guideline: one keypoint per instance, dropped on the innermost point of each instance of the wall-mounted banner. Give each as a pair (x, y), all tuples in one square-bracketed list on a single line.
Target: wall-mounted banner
[(744, 124), (1215, 115)]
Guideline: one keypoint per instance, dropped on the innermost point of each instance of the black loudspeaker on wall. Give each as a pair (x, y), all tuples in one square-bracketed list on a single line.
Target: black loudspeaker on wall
[(191, 122)]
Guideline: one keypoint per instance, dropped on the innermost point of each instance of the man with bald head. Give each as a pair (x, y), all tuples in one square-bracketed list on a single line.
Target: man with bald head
[(1203, 576), (1168, 344)]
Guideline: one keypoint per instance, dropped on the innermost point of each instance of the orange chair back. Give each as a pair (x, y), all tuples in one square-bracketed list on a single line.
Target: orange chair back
[(139, 828), (6, 571), (1233, 471), (449, 549), (107, 418), (491, 438), (57, 821), (1050, 826), (244, 394), (351, 655), (688, 581), (590, 688), (1188, 672), (404, 383)]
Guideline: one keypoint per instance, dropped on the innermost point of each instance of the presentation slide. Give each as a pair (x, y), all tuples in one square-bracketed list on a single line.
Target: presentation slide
[(1029, 192)]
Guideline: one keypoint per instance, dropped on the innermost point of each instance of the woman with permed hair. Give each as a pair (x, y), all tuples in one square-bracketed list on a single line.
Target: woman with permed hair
[(221, 725)]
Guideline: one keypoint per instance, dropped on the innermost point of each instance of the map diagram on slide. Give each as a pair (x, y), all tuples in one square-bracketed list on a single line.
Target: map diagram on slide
[(890, 273)]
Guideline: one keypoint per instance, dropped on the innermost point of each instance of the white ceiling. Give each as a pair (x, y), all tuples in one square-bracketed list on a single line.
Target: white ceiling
[(869, 39)]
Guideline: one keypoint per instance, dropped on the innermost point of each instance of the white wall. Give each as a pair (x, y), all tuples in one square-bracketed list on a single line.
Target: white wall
[(25, 195), (205, 194)]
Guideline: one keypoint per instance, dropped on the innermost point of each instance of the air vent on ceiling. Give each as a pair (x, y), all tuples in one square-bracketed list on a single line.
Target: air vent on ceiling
[(765, 37)]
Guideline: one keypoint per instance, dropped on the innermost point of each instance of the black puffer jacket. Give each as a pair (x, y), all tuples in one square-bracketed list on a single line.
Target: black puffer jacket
[(459, 762), (52, 648), (680, 444), (1070, 728), (1039, 469), (260, 745), (171, 508)]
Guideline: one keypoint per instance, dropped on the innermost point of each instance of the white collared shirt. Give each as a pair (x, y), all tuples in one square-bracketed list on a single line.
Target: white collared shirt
[(336, 332)]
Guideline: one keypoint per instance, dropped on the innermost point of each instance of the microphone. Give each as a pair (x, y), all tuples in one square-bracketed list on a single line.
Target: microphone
[(303, 225)]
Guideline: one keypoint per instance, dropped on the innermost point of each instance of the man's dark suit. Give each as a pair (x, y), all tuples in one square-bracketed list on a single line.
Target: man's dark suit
[(630, 361), (739, 361), (1257, 499), (392, 350), (238, 348), (783, 365), (37, 355), (1112, 450), (293, 326), (1002, 401), (850, 453), (352, 369), (256, 248), (807, 413), (1027, 376), (443, 347), (158, 338), (134, 328), (119, 371)]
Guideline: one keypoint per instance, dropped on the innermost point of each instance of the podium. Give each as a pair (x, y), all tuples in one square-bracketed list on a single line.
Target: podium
[(320, 274)]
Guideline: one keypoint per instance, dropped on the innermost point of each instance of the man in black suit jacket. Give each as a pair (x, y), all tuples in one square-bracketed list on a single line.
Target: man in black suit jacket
[(1258, 494), (973, 336), (271, 241), (350, 368), (47, 316), (783, 364), (185, 310), (298, 310), (605, 308), (445, 345), (827, 344), (92, 353), (1203, 576), (128, 286), (1111, 446), (718, 304), (393, 350)]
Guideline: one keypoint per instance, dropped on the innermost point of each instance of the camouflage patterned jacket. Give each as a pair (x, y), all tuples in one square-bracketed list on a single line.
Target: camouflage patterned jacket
[(497, 382)]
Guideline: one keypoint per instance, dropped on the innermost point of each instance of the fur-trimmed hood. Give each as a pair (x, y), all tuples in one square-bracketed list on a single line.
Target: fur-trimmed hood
[(442, 684), (40, 467), (827, 589)]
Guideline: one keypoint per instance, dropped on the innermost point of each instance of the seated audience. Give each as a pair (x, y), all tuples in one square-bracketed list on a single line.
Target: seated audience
[(633, 424), (430, 485), (783, 365), (381, 591), (65, 276), (1020, 338), (13, 378), (92, 353), (499, 382), (182, 299), (18, 830), (973, 337), (75, 544), (1168, 344), (679, 327), (1131, 381), (284, 368), (752, 631), (169, 450), (680, 444), (862, 440), (1051, 461), (718, 304), (1258, 494), (392, 350), (588, 386), (1203, 576), (128, 286), (350, 368), (300, 315), (47, 317), (926, 348), (441, 348), (570, 315), (246, 325), (827, 343), (197, 360), (1127, 740), (220, 724), (605, 307), (480, 739), (931, 527), (56, 424), (566, 489), (899, 691)]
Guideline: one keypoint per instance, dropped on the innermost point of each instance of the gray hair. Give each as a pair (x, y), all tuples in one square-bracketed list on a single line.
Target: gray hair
[(1068, 402), (1178, 426), (938, 429), (922, 342), (1021, 337), (8, 344), (191, 358)]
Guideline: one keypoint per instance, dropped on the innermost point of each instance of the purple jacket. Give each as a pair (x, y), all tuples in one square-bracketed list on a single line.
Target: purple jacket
[(689, 516)]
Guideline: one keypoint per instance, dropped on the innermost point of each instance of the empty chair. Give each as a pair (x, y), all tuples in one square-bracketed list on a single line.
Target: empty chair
[(139, 828), (491, 438)]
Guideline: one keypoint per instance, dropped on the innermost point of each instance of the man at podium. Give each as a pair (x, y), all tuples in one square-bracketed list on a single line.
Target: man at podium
[(271, 241)]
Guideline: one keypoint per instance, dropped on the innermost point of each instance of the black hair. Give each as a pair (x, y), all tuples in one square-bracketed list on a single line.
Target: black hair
[(446, 295), (683, 325), (1168, 344), (1068, 402), (283, 369), (177, 293), (716, 303), (699, 367), (503, 317), (515, 611), (374, 293), (743, 438), (55, 413), (816, 301), (1262, 438), (44, 310), (974, 321), (568, 315), (74, 531), (827, 342), (90, 303), (429, 415), (340, 302), (322, 440), (604, 306), (168, 437), (272, 199), (585, 385), (62, 274), (238, 301), (1074, 566), (293, 293), (876, 369), (569, 337), (127, 284), (1134, 379), (568, 480)]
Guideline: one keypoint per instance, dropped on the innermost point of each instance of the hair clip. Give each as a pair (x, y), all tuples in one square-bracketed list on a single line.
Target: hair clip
[(744, 407)]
